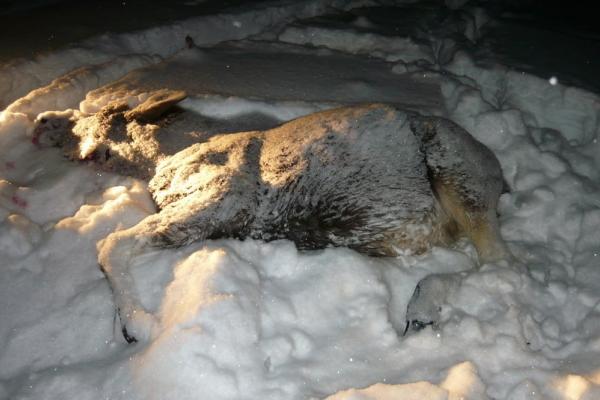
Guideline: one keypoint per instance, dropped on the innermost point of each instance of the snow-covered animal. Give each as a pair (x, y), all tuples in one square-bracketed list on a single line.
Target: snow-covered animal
[(373, 178)]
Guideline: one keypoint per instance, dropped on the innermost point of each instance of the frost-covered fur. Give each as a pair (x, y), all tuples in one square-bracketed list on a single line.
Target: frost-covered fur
[(373, 178)]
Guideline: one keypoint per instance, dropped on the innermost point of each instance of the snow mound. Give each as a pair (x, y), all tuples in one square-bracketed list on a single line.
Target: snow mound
[(239, 320), (462, 382)]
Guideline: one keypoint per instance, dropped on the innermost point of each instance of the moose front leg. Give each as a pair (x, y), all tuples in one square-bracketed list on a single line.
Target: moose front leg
[(198, 217), (119, 248), (114, 257)]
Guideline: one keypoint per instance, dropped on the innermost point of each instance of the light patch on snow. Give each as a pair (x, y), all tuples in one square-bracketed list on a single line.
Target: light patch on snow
[(68, 90), (232, 107), (390, 49), (461, 382)]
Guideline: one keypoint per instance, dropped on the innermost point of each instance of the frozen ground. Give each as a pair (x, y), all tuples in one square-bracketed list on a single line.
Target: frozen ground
[(253, 320)]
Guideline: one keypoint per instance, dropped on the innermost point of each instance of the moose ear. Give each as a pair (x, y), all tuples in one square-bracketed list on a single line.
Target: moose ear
[(155, 105)]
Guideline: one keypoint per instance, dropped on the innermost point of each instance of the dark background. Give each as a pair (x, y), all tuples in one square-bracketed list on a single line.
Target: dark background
[(547, 38)]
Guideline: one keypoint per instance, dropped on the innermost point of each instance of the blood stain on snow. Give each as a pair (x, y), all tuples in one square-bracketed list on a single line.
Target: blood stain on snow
[(19, 201)]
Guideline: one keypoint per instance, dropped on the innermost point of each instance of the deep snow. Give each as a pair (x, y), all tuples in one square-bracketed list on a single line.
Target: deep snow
[(250, 320)]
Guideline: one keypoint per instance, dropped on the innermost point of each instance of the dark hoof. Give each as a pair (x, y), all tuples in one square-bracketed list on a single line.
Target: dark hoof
[(419, 325), (138, 327), (128, 338), (416, 325), (425, 306)]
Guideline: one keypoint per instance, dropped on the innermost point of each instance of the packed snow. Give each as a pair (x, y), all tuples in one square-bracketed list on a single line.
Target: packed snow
[(255, 320)]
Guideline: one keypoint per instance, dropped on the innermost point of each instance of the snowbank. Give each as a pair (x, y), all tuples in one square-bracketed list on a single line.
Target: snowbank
[(20, 77), (275, 72)]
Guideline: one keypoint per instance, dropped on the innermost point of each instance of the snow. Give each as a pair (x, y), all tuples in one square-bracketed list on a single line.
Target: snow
[(276, 72), (249, 320), (21, 76)]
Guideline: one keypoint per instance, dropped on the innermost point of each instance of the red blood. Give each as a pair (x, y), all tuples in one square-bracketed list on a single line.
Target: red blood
[(19, 201)]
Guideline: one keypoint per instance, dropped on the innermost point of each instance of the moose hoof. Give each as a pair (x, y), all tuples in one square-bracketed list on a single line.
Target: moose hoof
[(426, 302), (138, 326)]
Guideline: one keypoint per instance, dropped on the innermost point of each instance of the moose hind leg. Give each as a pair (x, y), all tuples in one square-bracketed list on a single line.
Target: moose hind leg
[(480, 225), (467, 180)]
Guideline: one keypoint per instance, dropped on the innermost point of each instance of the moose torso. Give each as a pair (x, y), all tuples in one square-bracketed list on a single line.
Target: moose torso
[(355, 178)]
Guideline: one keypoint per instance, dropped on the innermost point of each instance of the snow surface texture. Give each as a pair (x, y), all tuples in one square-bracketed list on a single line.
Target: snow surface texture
[(106, 56), (248, 320)]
